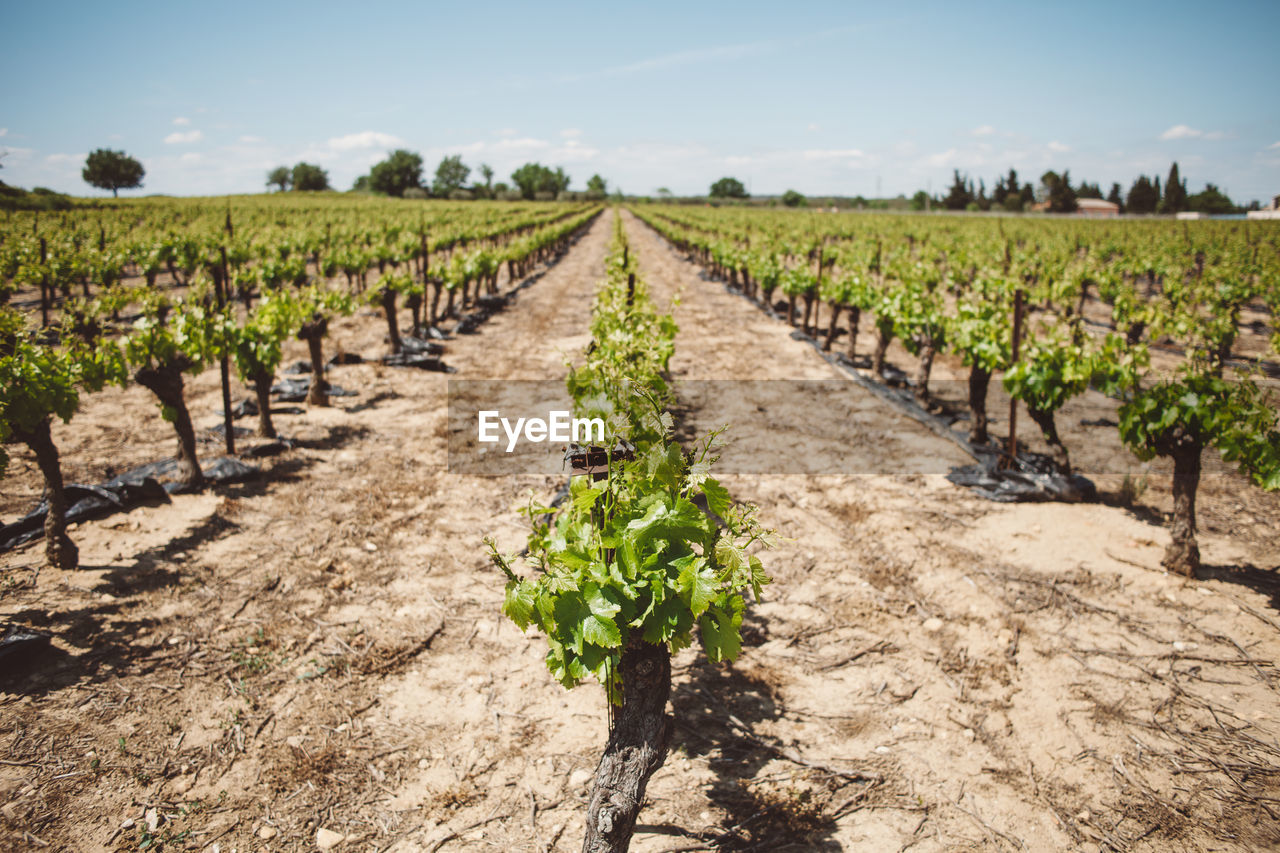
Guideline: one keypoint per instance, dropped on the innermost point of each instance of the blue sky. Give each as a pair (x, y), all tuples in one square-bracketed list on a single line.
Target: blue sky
[(839, 98)]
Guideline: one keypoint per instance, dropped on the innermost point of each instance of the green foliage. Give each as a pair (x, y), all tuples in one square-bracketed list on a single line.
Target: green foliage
[(632, 555), (451, 175), (534, 178), (188, 335), (112, 170), (309, 178), (728, 188), (1206, 411), (402, 169), (280, 177), (257, 344), (1049, 371), (791, 198)]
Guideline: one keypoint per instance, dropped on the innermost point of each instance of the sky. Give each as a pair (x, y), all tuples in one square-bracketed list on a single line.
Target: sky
[(841, 98)]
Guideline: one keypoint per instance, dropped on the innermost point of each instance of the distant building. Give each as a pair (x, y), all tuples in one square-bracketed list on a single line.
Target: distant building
[(1271, 211), (1096, 207), (1190, 214)]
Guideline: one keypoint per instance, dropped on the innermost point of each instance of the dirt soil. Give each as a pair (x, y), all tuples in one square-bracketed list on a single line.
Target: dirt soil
[(319, 656)]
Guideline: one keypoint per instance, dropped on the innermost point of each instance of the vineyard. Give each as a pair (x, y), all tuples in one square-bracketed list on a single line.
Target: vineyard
[(250, 601)]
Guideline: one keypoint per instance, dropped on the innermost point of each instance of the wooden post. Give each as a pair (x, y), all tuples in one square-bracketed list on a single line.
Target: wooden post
[(45, 287), (220, 284), (1012, 458)]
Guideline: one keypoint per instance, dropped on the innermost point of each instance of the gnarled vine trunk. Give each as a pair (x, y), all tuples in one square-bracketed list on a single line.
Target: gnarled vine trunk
[(388, 300), (166, 383), (831, 328), (855, 316), (59, 550), (1049, 428), (637, 747), (262, 388), (1183, 554), (313, 332), (925, 367), (883, 339), (979, 381)]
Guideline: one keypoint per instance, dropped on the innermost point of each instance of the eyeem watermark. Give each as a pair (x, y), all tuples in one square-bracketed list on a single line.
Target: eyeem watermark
[(559, 426)]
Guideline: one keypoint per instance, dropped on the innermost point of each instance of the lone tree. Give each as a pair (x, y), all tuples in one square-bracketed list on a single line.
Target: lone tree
[(597, 186), (451, 175), (535, 178), (401, 170), (792, 198), (728, 188), (309, 178), (280, 177), (1175, 193), (112, 170)]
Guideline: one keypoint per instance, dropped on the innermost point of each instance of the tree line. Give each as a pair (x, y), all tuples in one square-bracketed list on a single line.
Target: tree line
[(1057, 195), (400, 175)]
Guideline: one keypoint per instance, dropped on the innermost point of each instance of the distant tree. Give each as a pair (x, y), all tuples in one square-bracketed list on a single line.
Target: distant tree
[(662, 193), (1088, 190), (487, 171), (1143, 196), (982, 202), (728, 188), (500, 188), (1027, 195), (1014, 203), (597, 184), (361, 185), (1114, 197), (791, 198), (920, 200), (451, 175), (112, 170), (1211, 200), (960, 194), (535, 179), (1058, 192), (309, 178), (402, 169), (279, 177), (1175, 193)]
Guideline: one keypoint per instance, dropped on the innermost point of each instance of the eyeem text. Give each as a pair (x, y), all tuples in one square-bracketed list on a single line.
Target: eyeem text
[(559, 426)]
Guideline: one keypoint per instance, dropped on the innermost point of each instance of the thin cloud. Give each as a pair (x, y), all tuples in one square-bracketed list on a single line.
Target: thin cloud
[(1058, 147), (183, 138), (570, 132), (182, 121), (1183, 131), (1275, 146), (814, 127), (4, 131), (942, 158), (364, 139), (64, 158), (983, 130), (834, 154), (252, 140)]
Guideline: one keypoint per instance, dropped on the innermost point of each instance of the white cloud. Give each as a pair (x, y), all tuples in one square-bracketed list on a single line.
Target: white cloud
[(983, 130), (1275, 146), (507, 131), (833, 154), (524, 143), (364, 139), (252, 140), (64, 158), (4, 131), (571, 133), (1058, 148), (183, 137), (1183, 131), (814, 127), (942, 158), (191, 157), (182, 121), (1180, 131)]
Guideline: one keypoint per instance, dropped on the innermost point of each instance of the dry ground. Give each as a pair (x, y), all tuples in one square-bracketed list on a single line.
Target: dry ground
[(323, 649)]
